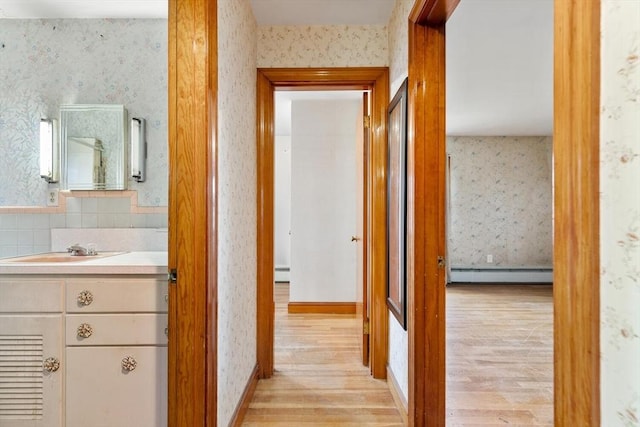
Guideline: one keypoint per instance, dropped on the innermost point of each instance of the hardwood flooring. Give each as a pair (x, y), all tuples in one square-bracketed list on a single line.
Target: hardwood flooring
[(319, 379), (499, 365), (499, 355)]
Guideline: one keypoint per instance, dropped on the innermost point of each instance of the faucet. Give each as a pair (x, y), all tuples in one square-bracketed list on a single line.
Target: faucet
[(77, 250)]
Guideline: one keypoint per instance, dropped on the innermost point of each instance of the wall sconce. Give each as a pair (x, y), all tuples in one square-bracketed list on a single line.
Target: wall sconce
[(49, 151), (138, 150)]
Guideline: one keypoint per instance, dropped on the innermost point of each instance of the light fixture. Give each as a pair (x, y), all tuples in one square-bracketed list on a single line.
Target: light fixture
[(138, 149), (49, 151)]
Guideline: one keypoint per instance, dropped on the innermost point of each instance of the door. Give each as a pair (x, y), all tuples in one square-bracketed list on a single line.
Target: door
[(360, 238), (323, 201), (116, 386), (31, 370)]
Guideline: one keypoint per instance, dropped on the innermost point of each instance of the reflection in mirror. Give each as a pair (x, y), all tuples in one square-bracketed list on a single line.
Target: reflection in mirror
[(93, 147), (85, 162)]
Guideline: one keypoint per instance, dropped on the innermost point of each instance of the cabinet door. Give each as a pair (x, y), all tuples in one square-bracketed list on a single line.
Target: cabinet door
[(100, 392), (30, 395)]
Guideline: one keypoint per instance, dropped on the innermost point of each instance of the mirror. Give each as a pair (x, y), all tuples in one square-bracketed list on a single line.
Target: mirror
[(93, 150)]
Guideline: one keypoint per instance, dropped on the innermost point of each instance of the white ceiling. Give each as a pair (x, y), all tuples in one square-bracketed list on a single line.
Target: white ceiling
[(499, 52), (27, 9), (500, 68), (322, 12)]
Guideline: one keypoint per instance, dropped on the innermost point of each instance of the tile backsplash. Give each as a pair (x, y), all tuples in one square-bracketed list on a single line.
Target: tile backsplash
[(26, 233)]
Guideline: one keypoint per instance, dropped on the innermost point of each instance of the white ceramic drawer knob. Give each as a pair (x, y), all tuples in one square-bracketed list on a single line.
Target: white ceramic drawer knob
[(85, 330), (51, 364), (129, 364), (85, 298)]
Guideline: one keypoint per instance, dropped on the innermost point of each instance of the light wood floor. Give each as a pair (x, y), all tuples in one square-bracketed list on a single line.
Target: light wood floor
[(499, 355), (499, 365), (319, 380)]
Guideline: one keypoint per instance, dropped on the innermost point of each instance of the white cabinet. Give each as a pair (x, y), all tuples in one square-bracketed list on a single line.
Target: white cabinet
[(31, 356), (101, 392), (116, 352), (83, 351)]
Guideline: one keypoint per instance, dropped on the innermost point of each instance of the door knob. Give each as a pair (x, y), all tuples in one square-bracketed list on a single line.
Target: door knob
[(354, 238)]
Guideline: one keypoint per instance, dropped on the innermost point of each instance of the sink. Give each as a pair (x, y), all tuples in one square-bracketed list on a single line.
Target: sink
[(59, 257)]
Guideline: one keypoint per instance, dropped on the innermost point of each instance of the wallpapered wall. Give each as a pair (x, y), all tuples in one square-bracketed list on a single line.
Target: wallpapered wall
[(500, 201), (49, 62), (322, 46), (620, 213), (398, 70), (236, 203)]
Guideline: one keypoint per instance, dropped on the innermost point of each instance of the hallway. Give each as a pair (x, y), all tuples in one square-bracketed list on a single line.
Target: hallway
[(319, 380)]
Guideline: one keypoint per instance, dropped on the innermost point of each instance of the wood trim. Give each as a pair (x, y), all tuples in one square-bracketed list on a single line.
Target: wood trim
[(265, 135), (576, 264), (245, 399), (192, 150), (398, 397), (376, 79), (322, 307), (576, 221), (432, 12), (426, 158)]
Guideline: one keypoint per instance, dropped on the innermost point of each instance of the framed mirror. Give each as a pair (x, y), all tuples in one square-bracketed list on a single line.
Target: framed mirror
[(93, 147)]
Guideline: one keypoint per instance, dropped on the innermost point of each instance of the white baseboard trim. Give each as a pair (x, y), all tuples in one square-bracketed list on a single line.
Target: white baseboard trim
[(501, 275)]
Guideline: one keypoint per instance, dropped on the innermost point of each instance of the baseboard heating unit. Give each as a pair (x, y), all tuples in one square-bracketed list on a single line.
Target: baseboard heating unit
[(501, 275), (281, 273)]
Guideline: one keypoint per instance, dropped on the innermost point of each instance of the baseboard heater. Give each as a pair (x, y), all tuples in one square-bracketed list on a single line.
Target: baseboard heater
[(501, 275), (281, 273)]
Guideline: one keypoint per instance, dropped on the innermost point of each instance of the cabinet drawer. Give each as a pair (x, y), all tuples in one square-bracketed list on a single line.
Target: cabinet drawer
[(101, 393), (30, 296), (116, 329), (116, 296)]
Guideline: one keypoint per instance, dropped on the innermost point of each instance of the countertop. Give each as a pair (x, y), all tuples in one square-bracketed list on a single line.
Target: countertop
[(124, 263)]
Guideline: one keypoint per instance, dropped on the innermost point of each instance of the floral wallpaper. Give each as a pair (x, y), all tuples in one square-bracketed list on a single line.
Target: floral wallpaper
[(620, 213), (237, 214), (398, 35), (500, 201), (322, 46), (399, 44), (45, 63)]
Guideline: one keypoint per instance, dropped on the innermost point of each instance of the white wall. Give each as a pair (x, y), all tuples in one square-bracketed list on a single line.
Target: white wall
[(237, 217), (323, 205), (620, 214)]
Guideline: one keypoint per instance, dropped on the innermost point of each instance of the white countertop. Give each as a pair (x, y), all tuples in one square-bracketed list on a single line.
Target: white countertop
[(124, 263)]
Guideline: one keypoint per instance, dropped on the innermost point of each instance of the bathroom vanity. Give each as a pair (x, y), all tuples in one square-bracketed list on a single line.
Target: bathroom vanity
[(83, 342)]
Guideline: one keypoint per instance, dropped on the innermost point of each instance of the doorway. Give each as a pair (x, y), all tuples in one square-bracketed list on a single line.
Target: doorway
[(499, 302), (576, 212), (376, 81), (318, 135)]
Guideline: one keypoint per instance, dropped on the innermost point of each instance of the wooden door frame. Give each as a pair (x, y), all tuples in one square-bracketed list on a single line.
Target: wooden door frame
[(268, 79), (192, 152), (576, 143)]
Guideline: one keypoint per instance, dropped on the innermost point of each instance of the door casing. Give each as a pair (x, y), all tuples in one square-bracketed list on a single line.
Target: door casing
[(375, 79), (576, 212)]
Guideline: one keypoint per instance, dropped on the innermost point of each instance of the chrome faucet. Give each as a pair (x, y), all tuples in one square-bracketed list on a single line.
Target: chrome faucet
[(77, 250)]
